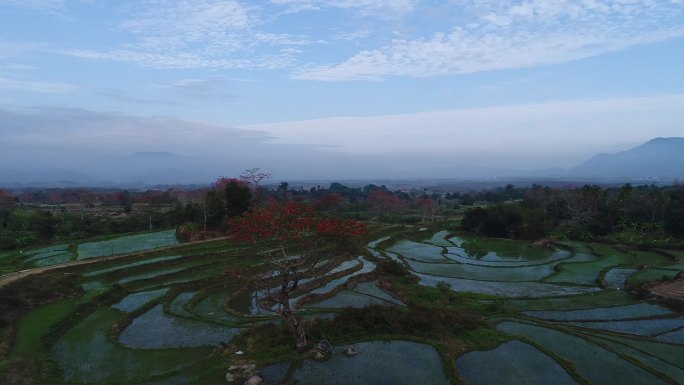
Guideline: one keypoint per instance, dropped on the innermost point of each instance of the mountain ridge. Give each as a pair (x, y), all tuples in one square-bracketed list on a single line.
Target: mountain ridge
[(659, 157)]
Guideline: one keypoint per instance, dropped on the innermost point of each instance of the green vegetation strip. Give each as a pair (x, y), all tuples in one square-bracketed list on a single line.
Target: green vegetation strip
[(483, 273), (212, 307), (585, 301), (86, 354), (419, 251), (558, 255), (439, 239), (155, 329), (135, 301), (159, 272), (662, 366), (500, 250), (34, 325), (598, 365), (617, 278), (505, 289), (665, 351), (348, 299), (127, 244), (637, 310), (378, 363), (511, 363), (676, 337), (652, 275), (131, 264), (645, 327)]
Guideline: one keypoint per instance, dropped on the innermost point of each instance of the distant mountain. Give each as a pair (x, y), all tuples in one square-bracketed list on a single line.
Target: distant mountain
[(149, 155), (657, 158)]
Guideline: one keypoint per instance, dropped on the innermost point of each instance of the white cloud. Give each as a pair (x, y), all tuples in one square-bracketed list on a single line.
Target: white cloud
[(556, 133), (39, 87), (196, 34), (473, 35), (178, 24), (378, 8), (71, 128), (35, 4), (511, 34), (211, 88)]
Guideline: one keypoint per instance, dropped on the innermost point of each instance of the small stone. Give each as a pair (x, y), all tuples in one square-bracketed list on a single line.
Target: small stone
[(254, 379), (230, 377), (233, 367), (350, 351), (248, 368), (324, 346), (239, 352)]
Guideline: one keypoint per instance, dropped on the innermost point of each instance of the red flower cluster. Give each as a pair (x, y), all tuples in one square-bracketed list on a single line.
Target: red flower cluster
[(291, 221), (340, 228)]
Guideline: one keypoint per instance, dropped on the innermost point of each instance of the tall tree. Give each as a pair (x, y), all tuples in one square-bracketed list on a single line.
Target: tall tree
[(238, 198), (296, 238)]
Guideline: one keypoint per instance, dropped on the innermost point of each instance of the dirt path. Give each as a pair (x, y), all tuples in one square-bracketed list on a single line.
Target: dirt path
[(669, 290), (21, 274)]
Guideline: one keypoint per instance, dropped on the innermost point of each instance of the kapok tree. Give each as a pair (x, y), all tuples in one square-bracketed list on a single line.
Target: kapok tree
[(295, 237)]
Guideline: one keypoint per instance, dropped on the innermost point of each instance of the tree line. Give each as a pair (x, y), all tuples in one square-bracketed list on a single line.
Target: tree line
[(632, 214)]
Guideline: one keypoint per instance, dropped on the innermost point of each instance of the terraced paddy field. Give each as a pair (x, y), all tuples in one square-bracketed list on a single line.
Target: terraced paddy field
[(77, 251), (559, 313)]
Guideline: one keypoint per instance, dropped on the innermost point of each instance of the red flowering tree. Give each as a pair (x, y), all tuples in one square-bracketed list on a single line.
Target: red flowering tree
[(329, 202), (295, 237), (383, 201)]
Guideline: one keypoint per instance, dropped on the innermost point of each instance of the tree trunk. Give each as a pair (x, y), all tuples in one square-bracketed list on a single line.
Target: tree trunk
[(297, 328)]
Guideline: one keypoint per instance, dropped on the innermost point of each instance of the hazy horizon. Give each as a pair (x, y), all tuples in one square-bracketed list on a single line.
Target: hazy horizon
[(338, 89)]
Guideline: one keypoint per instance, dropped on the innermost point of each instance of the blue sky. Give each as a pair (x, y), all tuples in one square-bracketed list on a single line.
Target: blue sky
[(401, 87)]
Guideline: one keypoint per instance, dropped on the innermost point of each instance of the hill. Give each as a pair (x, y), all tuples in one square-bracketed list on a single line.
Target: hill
[(657, 158)]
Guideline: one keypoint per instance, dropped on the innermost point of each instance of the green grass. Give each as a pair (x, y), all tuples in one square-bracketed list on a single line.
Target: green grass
[(86, 354), (529, 366), (418, 251), (644, 327), (54, 260), (457, 255), (178, 301), (483, 273), (676, 374), (371, 288), (503, 250), (578, 247), (439, 239), (617, 278), (178, 305), (155, 330), (599, 366), (586, 273), (613, 313), (137, 263), (678, 254), (34, 325), (587, 301), (348, 299), (157, 273), (667, 352), (378, 362), (675, 336), (652, 275), (212, 307), (133, 302), (127, 244), (505, 289)]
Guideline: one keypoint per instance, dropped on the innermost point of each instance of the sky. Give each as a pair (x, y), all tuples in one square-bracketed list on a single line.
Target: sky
[(333, 88)]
